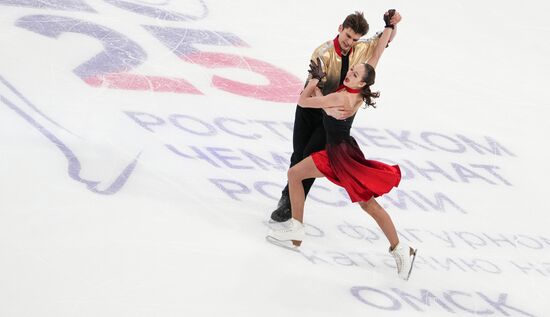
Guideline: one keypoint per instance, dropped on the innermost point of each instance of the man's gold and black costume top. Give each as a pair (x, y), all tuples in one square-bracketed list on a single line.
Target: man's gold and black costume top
[(331, 56)]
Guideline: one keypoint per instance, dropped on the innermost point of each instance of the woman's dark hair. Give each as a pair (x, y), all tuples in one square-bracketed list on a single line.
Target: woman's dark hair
[(368, 79)]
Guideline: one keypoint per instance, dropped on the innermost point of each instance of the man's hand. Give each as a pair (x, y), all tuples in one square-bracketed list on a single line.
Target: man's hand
[(339, 113), (316, 70), (387, 18), (391, 18)]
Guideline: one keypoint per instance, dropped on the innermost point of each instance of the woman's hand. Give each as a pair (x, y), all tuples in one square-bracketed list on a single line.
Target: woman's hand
[(317, 92), (396, 18)]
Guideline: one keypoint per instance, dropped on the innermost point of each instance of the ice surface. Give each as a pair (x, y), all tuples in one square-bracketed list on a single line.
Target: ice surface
[(143, 145)]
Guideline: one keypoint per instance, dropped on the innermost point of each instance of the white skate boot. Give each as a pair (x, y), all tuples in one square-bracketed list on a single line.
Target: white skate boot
[(290, 230), (404, 259)]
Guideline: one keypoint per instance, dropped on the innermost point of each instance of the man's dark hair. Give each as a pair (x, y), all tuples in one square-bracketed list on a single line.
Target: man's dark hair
[(356, 21)]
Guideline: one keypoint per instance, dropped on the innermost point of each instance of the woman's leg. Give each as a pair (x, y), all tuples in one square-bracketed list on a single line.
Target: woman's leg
[(383, 220), (303, 170)]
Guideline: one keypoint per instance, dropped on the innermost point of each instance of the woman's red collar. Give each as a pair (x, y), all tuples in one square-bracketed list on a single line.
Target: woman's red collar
[(350, 90)]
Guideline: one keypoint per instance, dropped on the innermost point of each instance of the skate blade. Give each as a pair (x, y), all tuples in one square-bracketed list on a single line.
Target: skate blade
[(287, 244), (412, 264)]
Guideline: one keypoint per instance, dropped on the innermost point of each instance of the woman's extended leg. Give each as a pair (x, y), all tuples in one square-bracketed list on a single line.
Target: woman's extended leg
[(402, 253), (303, 170), (383, 220)]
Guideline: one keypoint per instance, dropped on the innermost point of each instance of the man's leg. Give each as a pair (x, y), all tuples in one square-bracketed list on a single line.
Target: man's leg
[(306, 121)]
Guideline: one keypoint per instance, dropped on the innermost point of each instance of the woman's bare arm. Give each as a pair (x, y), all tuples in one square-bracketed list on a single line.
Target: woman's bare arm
[(380, 47), (394, 20), (307, 101)]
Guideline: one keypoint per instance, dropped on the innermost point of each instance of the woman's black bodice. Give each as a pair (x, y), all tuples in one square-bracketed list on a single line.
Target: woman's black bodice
[(337, 130)]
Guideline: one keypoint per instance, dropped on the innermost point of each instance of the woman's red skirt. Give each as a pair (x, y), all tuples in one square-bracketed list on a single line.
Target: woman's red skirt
[(345, 165)]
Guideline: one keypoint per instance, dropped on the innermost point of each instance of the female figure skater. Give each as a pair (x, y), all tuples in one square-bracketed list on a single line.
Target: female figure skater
[(342, 162)]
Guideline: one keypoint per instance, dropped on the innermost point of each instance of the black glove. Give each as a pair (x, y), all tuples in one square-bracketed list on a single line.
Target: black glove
[(316, 70), (387, 18)]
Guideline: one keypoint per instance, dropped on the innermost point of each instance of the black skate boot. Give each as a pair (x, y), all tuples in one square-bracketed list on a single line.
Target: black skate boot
[(282, 213)]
